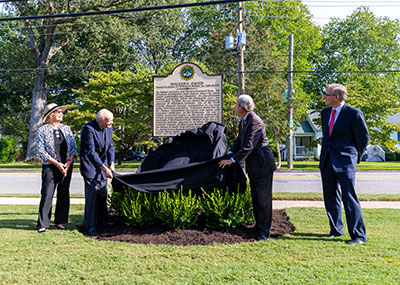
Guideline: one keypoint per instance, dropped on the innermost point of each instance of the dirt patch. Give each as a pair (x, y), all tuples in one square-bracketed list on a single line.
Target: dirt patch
[(159, 235)]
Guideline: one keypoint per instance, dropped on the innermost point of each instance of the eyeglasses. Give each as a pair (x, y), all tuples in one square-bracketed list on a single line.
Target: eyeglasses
[(60, 111), (330, 94)]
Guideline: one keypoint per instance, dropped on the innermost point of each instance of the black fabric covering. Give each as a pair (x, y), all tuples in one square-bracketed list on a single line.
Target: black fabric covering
[(190, 161)]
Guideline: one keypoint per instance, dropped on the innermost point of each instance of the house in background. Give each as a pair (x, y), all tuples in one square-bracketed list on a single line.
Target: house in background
[(396, 135), (308, 131)]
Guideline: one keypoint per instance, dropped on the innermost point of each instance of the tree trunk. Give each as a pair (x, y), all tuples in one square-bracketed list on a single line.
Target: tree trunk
[(39, 99)]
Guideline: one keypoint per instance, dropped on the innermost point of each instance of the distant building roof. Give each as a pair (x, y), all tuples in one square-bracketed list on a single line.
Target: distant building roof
[(304, 127)]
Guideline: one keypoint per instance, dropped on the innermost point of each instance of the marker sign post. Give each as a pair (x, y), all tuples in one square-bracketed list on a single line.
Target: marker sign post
[(187, 98)]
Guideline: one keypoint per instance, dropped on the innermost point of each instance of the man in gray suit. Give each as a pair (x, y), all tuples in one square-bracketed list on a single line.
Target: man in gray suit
[(252, 146)]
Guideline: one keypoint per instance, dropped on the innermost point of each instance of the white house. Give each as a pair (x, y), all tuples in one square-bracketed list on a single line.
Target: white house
[(306, 132)]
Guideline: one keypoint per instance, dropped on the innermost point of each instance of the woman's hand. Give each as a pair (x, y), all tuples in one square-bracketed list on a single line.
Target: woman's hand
[(63, 168)]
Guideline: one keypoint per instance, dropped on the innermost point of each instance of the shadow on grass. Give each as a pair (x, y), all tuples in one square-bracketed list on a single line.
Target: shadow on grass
[(310, 236), (31, 224)]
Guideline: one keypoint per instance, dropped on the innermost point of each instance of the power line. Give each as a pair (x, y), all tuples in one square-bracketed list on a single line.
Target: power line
[(59, 89), (119, 11), (298, 53)]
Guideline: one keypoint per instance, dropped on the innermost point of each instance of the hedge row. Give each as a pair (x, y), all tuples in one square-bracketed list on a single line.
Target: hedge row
[(183, 209)]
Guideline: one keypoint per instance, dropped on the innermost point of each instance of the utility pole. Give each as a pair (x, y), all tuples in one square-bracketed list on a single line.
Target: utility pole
[(240, 47), (289, 141)]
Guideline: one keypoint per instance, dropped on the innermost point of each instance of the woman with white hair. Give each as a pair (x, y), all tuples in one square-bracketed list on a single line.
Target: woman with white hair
[(56, 148)]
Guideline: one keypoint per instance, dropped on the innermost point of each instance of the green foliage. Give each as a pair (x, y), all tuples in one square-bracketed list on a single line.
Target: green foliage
[(268, 28), (183, 209), (130, 103), (136, 207), (391, 155), (8, 149), (362, 42), (223, 209), (177, 209)]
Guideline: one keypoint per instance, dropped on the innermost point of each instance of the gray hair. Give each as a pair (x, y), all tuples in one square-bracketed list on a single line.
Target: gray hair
[(246, 102), (102, 114), (339, 90)]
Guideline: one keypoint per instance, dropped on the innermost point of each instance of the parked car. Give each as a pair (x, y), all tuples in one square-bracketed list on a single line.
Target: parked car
[(131, 155)]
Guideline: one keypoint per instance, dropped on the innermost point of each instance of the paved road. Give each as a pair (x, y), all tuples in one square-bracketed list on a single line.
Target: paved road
[(367, 182), (379, 182)]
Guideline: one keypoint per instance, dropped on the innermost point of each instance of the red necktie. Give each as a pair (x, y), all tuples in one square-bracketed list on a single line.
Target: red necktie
[(332, 121)]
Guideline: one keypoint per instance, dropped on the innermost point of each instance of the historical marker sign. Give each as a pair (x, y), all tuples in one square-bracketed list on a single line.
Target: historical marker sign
[(187, 98)]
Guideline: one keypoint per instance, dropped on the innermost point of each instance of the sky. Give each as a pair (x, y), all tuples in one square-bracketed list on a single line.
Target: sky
[(323, 10)]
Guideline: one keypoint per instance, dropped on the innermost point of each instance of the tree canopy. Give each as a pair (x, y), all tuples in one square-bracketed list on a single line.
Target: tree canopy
[(360, 52)]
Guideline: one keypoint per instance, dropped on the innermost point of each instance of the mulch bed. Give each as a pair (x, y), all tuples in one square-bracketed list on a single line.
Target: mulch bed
[(159, 235)]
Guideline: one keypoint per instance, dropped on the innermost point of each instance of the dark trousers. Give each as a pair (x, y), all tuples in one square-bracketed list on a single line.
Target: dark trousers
[(52, 178), (332, 199), (95, 202), (261, 193)]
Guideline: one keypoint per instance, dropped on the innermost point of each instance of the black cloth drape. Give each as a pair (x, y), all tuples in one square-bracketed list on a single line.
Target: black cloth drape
[(190, 161)]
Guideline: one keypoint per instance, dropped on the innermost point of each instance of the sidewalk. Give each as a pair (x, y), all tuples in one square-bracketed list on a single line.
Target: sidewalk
[(277, 204)]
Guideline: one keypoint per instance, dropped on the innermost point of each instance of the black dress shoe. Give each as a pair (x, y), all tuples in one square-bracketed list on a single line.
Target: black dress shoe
[(261, 237), (355, 241), (92, 232)]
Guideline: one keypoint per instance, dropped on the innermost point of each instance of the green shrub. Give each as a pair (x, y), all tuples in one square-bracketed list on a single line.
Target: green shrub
[(183, 209), (223, 209), (136, 207), (177, 210), (8, 149)]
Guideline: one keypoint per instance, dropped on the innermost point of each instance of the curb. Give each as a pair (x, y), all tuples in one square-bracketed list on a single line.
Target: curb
[(276, 204)]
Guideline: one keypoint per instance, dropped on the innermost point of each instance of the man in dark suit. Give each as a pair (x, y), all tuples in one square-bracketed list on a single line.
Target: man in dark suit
[(252, 146), (345, 138), (97, 164)]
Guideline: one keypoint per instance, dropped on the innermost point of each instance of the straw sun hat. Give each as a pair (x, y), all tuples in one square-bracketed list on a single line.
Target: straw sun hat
[(50, 109)]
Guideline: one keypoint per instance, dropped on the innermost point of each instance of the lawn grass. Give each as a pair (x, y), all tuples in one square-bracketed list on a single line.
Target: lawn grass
[(312, 196), (60, 257), (133, 165), (364, 165)]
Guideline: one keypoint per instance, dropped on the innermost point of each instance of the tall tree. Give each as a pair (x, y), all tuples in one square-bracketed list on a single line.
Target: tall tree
[(85, 43), (130, 103), (362, 43), (268, 26)]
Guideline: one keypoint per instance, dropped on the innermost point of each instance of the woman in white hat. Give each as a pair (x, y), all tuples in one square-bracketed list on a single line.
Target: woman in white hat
[(56, 148)]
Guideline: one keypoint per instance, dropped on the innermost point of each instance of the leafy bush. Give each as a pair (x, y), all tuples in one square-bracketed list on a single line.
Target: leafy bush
[(183, 209), (390, 155), (136, 207), (223, 209), (8, 149), (177, 210)]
